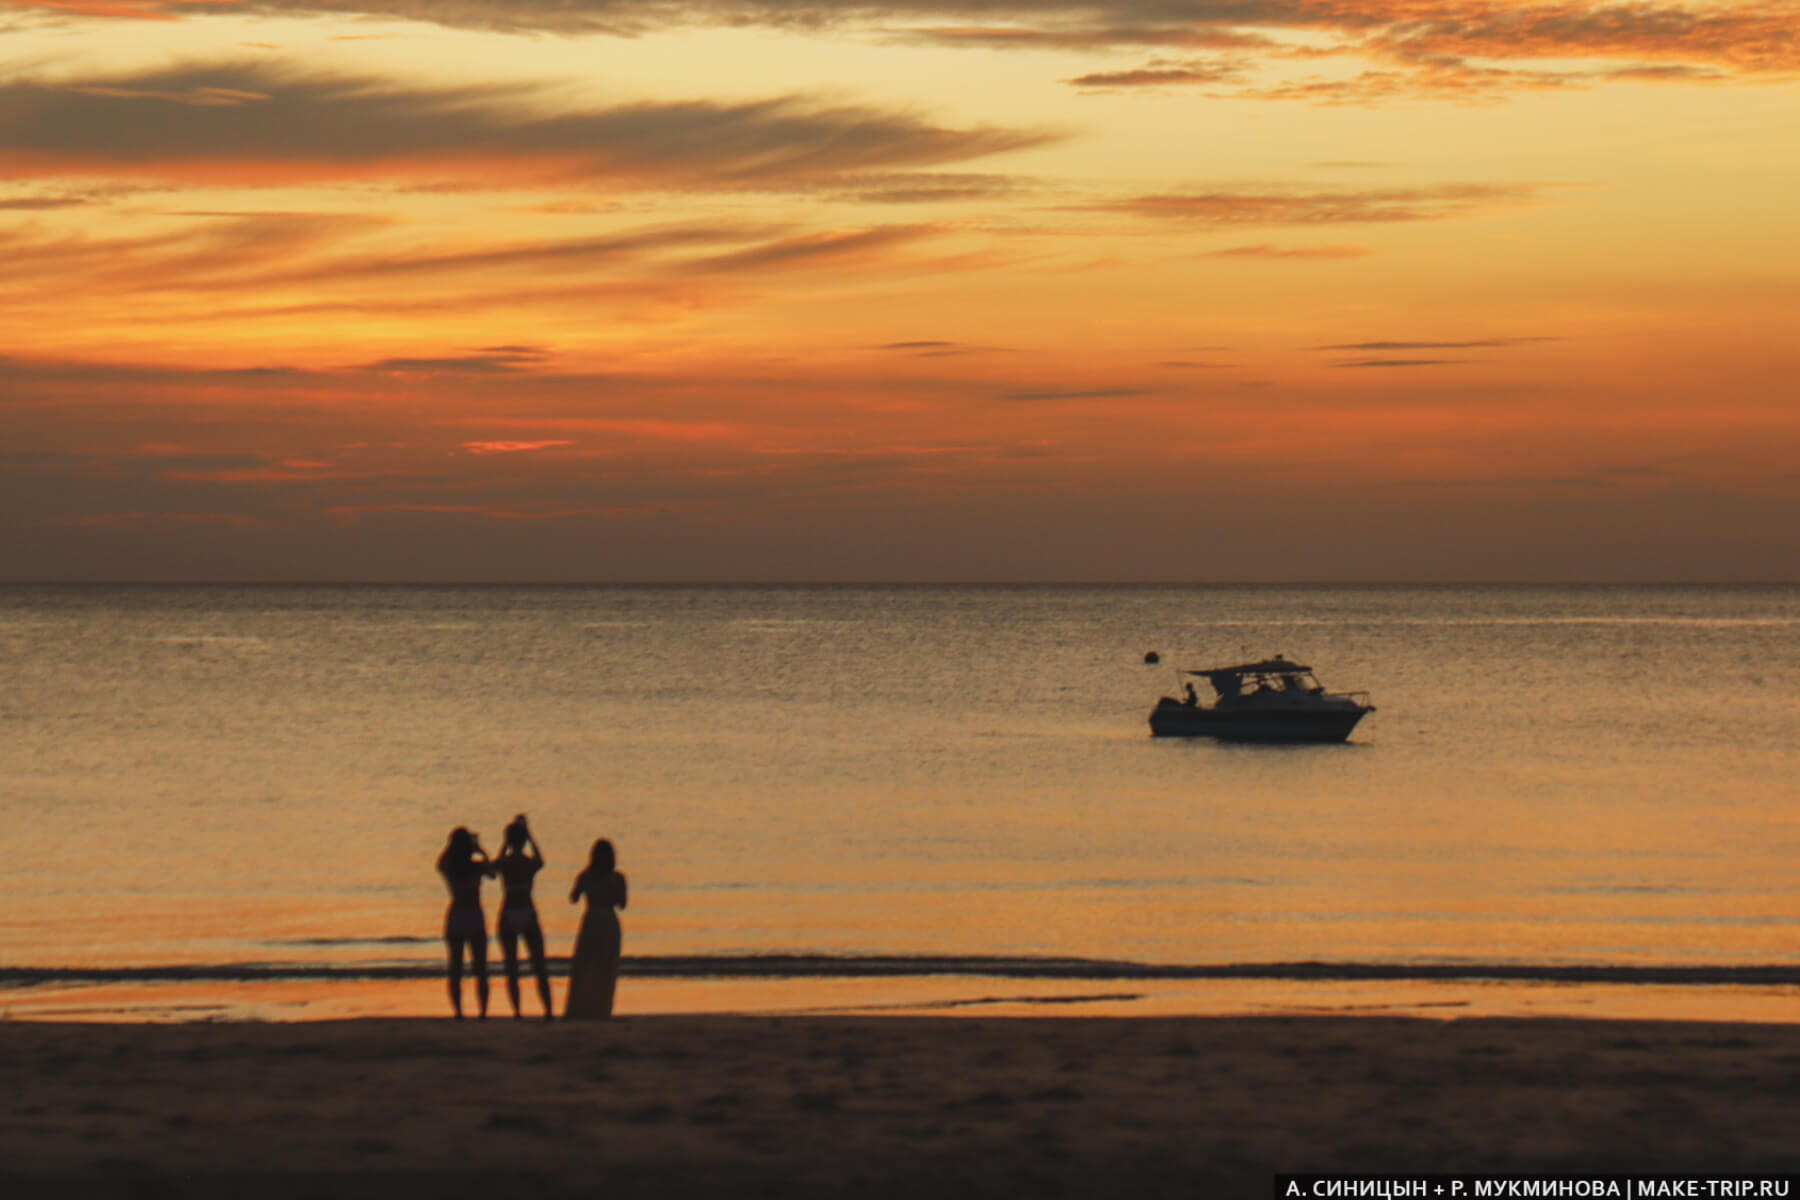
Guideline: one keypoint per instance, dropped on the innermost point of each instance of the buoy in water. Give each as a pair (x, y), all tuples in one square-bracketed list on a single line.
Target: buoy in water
[(1152, 658)]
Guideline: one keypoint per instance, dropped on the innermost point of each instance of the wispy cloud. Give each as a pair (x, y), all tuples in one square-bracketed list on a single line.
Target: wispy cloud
[(253, 122), (934, 349), (1480, 344), (487, 361), (1264, 250), (515, 447), (281, 266), (814, 247), (1456, 80), (47, 201), (350, 513), (1301, 207), (1446, 48), (1397, 346), (1403, 362), (1163, 73), (1079, 394), (927, 187), (134, 521)]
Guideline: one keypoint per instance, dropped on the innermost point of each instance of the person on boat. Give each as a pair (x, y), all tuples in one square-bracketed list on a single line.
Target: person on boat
[(594, 971), (464, 864), (518, 865), (1191, 699)]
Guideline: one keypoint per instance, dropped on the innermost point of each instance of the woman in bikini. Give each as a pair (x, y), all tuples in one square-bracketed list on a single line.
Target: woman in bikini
[(464, 864), (594, 971), (518, 864)]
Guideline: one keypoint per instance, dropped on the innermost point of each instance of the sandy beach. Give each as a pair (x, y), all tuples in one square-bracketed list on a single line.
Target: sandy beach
[(876, 1106)]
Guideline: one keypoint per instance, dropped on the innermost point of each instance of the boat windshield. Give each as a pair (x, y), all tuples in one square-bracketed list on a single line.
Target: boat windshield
[(1274, 676)]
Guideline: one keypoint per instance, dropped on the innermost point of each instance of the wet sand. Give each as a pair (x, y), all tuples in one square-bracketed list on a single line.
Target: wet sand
[(876, 1106)]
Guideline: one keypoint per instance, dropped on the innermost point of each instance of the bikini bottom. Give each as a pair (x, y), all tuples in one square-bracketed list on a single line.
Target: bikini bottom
[(518, 920), (463, 923)]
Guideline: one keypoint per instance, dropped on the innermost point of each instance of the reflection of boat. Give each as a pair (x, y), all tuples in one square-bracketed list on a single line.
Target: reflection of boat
[(1270, 701)]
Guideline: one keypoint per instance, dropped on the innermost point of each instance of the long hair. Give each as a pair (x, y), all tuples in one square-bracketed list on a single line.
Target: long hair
[(459, 856), (601, 860)]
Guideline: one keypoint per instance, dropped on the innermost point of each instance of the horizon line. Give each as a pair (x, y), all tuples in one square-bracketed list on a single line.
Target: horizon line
[(892, 583)]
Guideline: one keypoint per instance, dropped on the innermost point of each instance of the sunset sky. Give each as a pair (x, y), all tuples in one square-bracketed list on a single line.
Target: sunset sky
[(657, 290)]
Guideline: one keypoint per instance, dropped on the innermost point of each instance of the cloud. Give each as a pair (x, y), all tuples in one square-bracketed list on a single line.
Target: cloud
[(134, 521), (254, 122), (1295, 207), (934, 349), (1449, 79), (1090, 394), (487, 361), (1755, 37), (210, 254), (514, 447), (351, 513), (1163, 73), (1077, 26), (535, 259), (1482, 344), (927, 187), (1393, 346), (1264, 250), (178, 464), (279, 267), (1403, 362), (284, 471), (84, 376), (47, 201), (811, 248), (1449, 49)]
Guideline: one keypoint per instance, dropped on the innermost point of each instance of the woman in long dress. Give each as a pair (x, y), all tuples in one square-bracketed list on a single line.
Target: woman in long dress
[(594, 971)]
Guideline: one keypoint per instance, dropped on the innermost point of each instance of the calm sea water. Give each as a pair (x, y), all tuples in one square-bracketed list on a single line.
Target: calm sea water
[(1555, 776)]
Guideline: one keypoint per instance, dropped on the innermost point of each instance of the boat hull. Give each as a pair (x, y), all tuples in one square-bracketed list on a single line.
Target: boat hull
[(1171, 719)]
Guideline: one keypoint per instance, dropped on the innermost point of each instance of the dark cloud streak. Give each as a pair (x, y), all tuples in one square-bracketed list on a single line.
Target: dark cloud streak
[(1482, 344), (1294, 207), (1090, 394), (255, 120), (1265, 251), (1403, 362), (1160, 73), (1420, 35)]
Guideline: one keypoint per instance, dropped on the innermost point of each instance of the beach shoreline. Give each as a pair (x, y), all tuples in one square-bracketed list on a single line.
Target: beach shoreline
[(307, 994), (883, 1105)]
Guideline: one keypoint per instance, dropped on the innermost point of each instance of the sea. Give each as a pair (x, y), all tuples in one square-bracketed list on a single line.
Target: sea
[(226, 802)]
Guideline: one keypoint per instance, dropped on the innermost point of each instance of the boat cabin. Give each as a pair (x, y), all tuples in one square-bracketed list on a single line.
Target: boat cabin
[(1273, 676)]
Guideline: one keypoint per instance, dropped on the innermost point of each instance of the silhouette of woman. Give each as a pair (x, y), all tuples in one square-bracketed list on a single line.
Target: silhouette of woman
[(594, 971), (464, 864), (518, 864)]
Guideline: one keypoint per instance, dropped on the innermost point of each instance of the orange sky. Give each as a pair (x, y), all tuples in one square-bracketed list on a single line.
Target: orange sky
[(1202, 290)]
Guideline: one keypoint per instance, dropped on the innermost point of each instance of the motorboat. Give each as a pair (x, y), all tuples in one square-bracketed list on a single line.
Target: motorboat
[(1270, 701)]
